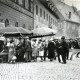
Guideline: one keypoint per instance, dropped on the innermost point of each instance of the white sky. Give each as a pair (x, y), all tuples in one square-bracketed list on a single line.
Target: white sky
[(76, 3)]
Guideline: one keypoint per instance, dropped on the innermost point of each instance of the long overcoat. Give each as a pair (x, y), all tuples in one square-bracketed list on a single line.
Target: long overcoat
[(51, 50)]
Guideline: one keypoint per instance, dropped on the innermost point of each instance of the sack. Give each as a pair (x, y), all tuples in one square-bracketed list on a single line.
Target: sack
[(14, 58)]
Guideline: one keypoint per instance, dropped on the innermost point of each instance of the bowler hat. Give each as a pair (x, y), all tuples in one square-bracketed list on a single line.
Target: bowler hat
[(63, 37)]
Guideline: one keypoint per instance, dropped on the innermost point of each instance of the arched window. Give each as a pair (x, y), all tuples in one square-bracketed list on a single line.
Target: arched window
[(16, 24), (6, 22)]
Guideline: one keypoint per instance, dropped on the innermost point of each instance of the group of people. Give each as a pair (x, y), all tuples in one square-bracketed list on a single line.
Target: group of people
[(28, 50)]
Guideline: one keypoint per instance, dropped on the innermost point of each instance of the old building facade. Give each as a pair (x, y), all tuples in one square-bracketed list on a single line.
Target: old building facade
[(44, 16), (32, 14), (17, 13), (69, 23)]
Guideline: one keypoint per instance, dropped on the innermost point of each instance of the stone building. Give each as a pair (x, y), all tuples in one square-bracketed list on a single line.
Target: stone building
[(79, 26), (17, 12), (32, 14), (57, 15), (69, 21), (44, 15)]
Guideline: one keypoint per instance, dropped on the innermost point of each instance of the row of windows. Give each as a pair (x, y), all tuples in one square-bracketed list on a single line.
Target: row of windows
[(16, 23), (45, 16), (7, 23), (71, 26), (27, 4)]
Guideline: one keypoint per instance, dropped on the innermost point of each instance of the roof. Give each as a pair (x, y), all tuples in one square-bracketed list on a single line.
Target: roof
[(64, 9)]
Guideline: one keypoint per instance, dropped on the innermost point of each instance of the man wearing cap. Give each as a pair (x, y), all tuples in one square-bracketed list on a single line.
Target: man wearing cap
[(64, 47)]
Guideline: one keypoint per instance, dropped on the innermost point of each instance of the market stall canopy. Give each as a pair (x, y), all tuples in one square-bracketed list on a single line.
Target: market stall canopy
[(44, 31), (14, 31)]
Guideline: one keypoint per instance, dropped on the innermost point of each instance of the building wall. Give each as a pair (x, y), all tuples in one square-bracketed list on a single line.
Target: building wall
[(41, 21), (79, 31), (68, 29), (72, 30), (15, 13)]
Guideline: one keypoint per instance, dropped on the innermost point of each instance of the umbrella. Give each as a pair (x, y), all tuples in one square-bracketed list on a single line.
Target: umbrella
[(44, 31), (14, 31)]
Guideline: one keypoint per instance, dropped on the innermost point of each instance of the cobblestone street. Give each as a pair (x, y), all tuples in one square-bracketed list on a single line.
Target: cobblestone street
[(41, 70)]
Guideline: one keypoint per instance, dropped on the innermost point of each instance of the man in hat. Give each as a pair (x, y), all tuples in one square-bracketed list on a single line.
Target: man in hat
[(64, 47)]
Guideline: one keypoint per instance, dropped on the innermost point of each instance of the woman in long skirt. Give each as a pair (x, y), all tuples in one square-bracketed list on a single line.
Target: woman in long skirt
[(11, 56), (34, 50), (41, 50)]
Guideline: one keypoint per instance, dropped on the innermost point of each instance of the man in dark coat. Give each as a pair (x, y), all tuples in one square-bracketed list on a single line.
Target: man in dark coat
[(76, 45), (51, 50), (1, 45), (64, 47), (58, 49)]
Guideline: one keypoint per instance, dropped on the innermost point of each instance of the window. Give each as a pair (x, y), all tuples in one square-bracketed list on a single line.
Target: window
[(30, 4), (49, 19), (26, 4), (40, 12), (23, 25), (6, 22), (16, 24), (36, 26), (36, 10), (69, 15), (53, 21), (60, 26), (44, 14), (47, 16), (22, 3)]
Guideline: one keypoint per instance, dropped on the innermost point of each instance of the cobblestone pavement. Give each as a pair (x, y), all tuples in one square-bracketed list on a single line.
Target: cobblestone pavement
[(41, 70)]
